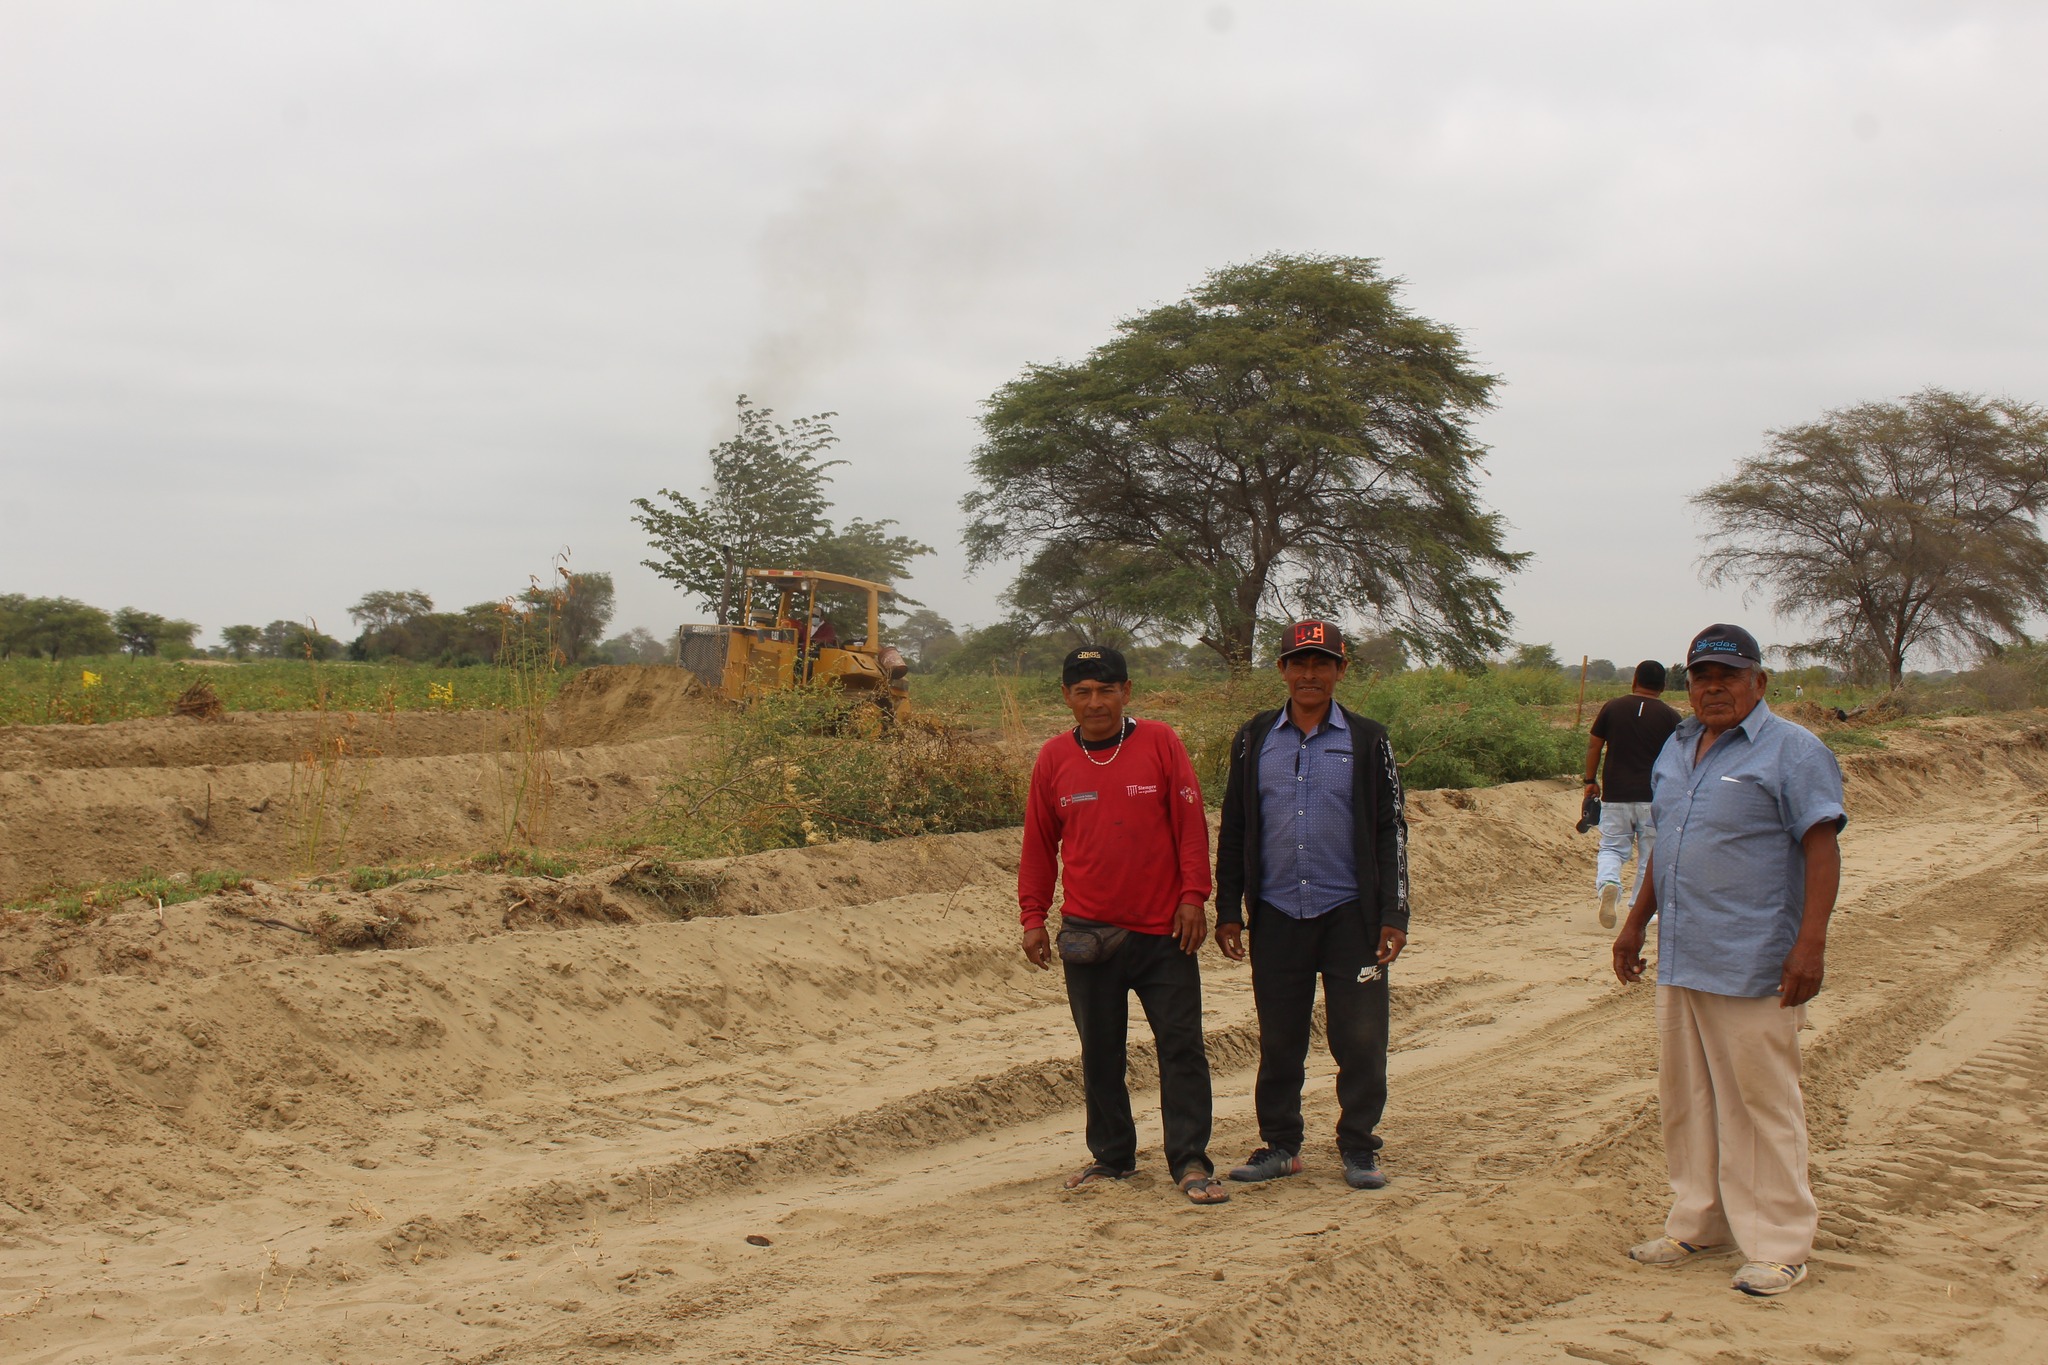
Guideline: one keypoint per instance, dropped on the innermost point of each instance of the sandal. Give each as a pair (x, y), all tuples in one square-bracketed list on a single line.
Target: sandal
[(1095, 1171), (1203, 1189)]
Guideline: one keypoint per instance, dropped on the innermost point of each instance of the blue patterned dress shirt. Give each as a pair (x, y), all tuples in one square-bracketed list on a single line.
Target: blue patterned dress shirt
[(1307, 865)]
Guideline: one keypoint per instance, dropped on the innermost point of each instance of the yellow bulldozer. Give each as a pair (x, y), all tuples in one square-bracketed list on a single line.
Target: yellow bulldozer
[(785, 638)]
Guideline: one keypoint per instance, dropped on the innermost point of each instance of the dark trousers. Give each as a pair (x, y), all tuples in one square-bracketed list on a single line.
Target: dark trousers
[(1287, 957), (1169, 986)]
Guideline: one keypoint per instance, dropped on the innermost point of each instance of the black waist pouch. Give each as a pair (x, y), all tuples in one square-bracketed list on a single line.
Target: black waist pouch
[(1085, 942)]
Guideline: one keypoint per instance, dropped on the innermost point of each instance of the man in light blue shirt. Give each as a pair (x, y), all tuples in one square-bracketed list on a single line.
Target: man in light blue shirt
[(1743, 878)]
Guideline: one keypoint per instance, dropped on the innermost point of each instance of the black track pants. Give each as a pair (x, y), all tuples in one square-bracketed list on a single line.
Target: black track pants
[(1168, 983), (1287, 957)]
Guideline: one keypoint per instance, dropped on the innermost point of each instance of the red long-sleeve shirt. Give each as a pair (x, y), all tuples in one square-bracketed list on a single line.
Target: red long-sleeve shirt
[(1130, 831)]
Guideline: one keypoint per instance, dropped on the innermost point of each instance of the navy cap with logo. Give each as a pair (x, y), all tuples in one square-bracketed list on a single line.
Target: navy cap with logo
[(1094, 663), (1313, 637), (1725, 644)]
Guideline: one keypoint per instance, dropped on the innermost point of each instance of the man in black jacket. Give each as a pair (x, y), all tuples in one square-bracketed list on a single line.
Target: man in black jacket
[(1315, 845)]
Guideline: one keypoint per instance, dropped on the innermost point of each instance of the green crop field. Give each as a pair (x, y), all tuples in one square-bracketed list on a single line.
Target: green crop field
[(90, 690)]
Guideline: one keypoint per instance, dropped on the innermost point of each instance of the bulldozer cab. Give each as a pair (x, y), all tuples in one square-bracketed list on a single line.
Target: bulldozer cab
[(798, 626)]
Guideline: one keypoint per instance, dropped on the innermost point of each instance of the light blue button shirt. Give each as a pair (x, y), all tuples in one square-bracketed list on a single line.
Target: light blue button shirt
[(1730, 872), (1308, 859)]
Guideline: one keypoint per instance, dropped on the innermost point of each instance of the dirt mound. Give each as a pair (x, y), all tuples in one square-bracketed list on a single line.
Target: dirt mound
[(1813, 717), (264, 922), (616, 703), (74, 826), (83, 803)]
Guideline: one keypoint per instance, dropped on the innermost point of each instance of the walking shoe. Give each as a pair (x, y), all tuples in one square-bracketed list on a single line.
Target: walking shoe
[(1610, 896), (1268, 1163), (1362, 1171), (1764, 1278), (1669, 1251)]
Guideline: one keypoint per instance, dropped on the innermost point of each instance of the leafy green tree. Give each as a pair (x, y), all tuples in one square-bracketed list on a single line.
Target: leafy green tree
[(927, 638), (382, 610), (577, 609), (764, 508), (56, 627), (636, 646), (144, 632), (1895, 526), (1602, 670), (240, 640), (1288, 440), (295, 640), (1535, 656), (865, 549), (1382, 654)]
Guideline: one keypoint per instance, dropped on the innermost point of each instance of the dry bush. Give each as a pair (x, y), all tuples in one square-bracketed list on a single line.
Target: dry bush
[(814, 764)]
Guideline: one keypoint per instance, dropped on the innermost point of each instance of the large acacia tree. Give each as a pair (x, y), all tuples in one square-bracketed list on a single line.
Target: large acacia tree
[(1894, 526), (1288, 440)]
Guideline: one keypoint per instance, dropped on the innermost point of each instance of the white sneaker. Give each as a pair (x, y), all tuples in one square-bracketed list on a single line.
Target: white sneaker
[(1610, 897)]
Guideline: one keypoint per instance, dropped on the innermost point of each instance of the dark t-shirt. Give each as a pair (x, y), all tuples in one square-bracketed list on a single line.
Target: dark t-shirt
[(1635, 729)]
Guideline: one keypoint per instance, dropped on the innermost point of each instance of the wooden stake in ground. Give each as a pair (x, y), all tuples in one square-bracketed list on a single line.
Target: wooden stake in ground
[(1583, 660)]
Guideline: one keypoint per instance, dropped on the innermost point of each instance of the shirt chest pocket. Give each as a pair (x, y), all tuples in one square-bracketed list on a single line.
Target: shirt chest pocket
[(1739, 806)]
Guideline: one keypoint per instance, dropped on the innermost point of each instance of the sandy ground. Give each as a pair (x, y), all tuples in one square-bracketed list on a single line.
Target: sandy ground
[(86, 803), (540, 1121)]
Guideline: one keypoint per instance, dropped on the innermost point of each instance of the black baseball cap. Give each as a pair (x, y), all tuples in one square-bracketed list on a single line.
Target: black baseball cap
[(1724, 644), (1094, 663), (1313, 637)]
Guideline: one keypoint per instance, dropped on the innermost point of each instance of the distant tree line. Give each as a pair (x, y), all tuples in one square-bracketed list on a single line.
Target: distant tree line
[(570, 615), (63, 627)]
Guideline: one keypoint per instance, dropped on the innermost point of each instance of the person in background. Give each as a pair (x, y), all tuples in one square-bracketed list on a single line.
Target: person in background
[(1314, 849), (1115, 813), (1632, 730), (1743, 880)]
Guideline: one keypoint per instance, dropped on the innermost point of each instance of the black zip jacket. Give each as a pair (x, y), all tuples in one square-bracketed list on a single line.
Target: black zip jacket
[(1379, 839)]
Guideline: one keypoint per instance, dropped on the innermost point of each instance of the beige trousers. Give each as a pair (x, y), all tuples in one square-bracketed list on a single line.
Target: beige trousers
[(1734, 1123)]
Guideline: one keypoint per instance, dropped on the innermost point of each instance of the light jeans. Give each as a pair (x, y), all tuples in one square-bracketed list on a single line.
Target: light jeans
[(1624, 824)]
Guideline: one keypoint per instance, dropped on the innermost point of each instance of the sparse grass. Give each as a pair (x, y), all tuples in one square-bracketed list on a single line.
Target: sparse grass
[(38, 692), (79, 902), (1845, 739), (521, 862), (377, 878)]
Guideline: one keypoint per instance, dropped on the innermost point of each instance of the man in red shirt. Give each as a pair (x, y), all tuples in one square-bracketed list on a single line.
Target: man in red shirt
[(1116, 801)]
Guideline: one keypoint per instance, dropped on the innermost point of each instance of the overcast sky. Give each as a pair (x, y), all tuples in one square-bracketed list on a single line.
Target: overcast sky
[(300, 301)]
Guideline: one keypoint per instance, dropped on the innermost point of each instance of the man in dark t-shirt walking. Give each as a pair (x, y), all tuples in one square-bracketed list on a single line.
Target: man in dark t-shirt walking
[(1633, 730)]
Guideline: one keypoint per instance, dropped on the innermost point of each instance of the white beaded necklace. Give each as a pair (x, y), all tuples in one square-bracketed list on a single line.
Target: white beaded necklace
[(1122, 734)]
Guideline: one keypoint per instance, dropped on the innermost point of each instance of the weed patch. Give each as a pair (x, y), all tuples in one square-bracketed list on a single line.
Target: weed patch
[(810, 766), (520, 862), (681, 891), (79, 902), (377, 878)]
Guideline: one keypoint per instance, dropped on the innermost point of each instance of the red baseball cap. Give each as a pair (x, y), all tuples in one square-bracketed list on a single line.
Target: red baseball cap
[(1319, 637)]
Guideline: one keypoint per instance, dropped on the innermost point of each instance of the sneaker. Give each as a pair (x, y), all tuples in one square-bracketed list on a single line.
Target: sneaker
[(1669, 1251), (1362, 1171), (1268, 1163), (1610, 897), (1764, 1278)]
